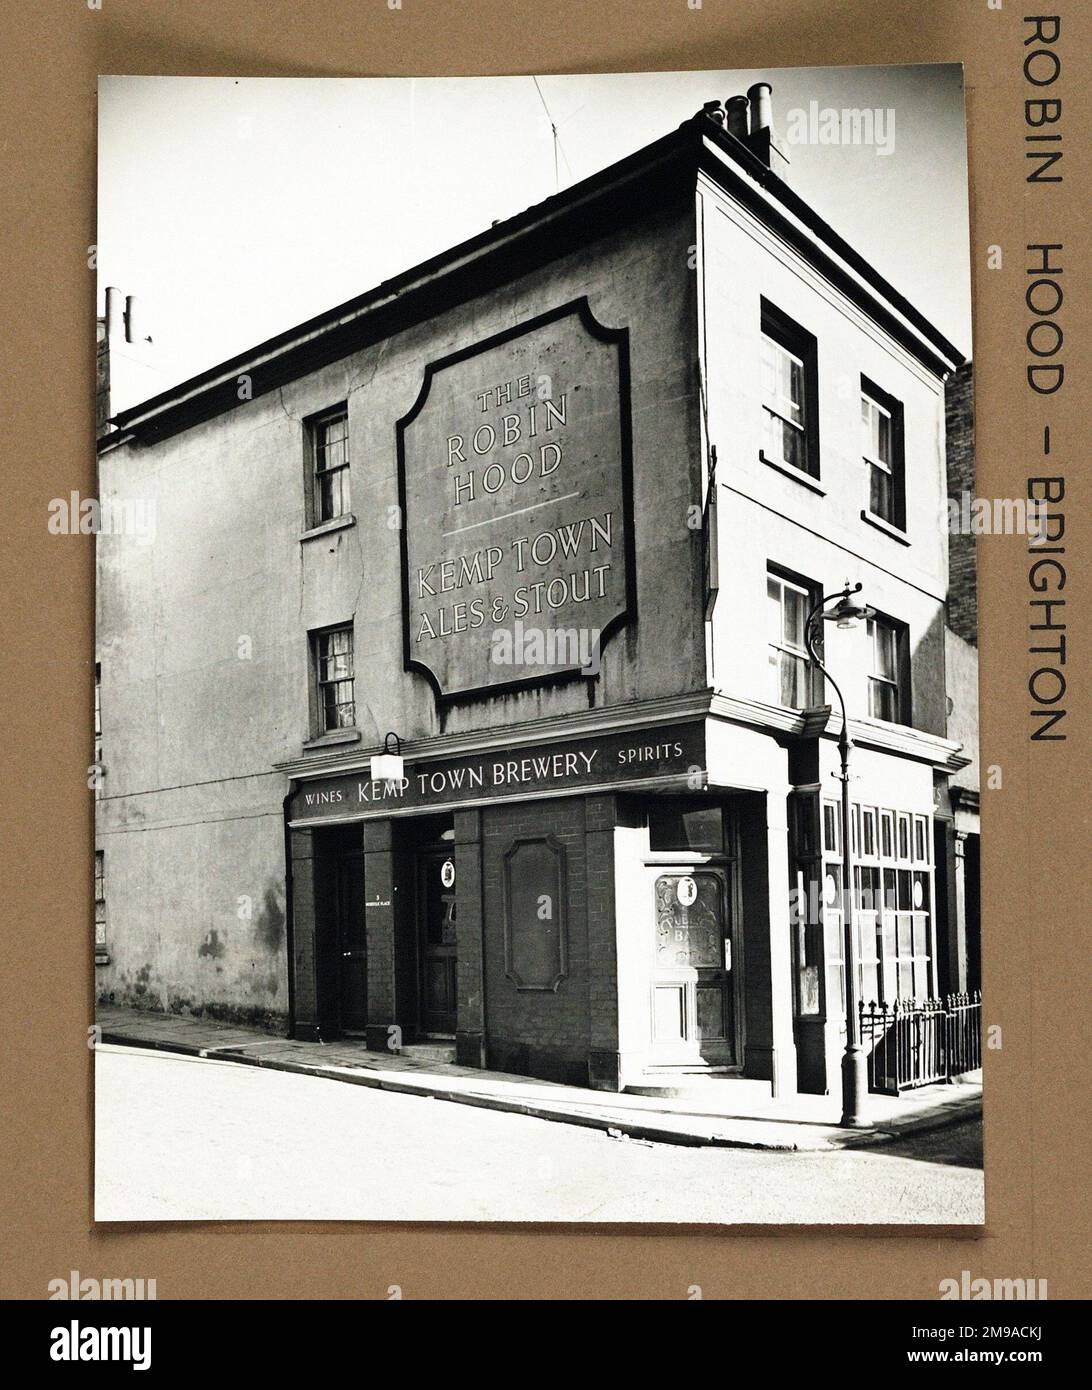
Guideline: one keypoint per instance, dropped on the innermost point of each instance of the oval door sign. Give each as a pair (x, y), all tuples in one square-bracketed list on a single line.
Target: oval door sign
[(686, 890), (447, 873)]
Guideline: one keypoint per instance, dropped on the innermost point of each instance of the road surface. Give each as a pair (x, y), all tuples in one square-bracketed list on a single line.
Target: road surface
[(181, 1138)]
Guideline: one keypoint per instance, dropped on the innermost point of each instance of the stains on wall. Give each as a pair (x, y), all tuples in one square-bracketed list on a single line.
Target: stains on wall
[(269, 924), (212, 947)]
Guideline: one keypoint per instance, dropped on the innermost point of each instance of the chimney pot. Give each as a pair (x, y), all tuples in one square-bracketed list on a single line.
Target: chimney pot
[(132, 320), (115, 314), (761, 99), (738, 110)]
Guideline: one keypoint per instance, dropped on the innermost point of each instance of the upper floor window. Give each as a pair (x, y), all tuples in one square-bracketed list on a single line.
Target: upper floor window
[(333, 651), (882, 447), (791, 674), (330, 462), (790, 407), (888, 681)]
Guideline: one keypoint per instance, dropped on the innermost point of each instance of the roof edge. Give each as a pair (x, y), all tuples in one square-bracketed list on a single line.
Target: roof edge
[(396, 302)]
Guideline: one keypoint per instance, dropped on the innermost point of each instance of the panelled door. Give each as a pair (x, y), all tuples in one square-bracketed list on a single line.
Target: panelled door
[(437, 942), (349, 892), (693, 999)]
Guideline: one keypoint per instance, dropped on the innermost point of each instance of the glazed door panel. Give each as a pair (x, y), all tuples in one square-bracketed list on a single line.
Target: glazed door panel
[(693, 998)]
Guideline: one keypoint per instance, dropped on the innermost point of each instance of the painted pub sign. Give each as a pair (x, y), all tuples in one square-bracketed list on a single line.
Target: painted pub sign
[(515, 489)]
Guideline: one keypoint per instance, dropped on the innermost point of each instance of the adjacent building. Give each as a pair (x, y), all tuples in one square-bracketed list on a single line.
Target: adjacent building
[(544, 517)]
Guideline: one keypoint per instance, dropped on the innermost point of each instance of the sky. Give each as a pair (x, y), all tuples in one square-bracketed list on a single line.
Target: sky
[(237, 208)]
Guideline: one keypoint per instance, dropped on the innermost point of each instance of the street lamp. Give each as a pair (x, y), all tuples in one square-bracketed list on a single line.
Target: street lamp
[(846, 613)]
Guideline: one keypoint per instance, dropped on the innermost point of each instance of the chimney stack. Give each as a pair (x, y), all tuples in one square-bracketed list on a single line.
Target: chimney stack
[(750, 121)]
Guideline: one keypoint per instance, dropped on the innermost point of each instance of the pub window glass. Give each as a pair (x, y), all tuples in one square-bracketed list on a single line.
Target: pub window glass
[(831, 828), (868, 828), (921, 853), (887, 835), (676, 826), (806, 916)]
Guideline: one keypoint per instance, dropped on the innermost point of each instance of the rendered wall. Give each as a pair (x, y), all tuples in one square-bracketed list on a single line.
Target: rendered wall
[(203, 633)]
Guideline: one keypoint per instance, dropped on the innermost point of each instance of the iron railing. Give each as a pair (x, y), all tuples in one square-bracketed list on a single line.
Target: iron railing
[(916, 1042)]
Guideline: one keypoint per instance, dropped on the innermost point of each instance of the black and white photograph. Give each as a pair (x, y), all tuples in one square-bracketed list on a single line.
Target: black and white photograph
[(536, 766)]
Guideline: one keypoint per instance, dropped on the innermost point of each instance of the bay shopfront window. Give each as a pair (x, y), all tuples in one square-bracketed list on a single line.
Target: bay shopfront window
[(893, 896)]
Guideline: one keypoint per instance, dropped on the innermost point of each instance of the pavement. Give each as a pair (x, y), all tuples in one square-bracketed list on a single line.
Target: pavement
[(728, 1112)]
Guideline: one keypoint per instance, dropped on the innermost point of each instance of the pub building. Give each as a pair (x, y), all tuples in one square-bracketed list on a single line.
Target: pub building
[(462, 702)]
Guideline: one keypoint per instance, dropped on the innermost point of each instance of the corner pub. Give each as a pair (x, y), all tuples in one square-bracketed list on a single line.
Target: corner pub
[(463, 702)]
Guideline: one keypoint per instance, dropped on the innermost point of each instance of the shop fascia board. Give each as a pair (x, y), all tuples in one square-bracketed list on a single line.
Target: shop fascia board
[(756, 715), (607, 719)]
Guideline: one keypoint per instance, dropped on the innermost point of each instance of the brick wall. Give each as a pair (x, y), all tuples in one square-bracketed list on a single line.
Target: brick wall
[(959, 425), (533, 1032)]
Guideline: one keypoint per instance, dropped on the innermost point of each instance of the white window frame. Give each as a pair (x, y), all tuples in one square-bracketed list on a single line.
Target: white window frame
[(877, 678), (783, 647), (779, 408)]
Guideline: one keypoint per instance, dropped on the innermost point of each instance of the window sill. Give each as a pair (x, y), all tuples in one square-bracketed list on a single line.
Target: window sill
[(101, 958), (797, 474), (339, 523), (873, 721), (895, 532), (332, 739)]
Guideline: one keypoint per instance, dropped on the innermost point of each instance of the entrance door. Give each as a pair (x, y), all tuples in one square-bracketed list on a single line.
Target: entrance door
[(349, 891), (340, 956), (693, 1000), (436, 935)]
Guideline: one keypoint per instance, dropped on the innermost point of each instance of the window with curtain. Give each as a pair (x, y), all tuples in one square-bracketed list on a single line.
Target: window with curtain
[(888, 680), (334, 668), (330, 451), (789, 378), (882, 449), (791, 674)]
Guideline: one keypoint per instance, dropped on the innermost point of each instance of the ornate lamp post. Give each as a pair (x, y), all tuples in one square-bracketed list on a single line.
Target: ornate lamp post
[(846, 614)]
